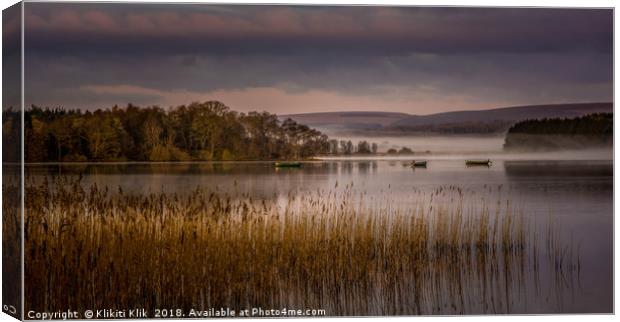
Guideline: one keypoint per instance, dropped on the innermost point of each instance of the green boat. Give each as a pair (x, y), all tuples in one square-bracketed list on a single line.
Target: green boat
[(486, 163), (288, 164)]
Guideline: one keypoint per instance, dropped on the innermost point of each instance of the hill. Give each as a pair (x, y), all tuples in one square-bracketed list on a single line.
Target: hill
[(478, 121), (347, 120), (515, 113)]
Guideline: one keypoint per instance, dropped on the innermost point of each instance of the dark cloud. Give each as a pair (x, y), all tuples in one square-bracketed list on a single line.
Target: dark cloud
[(288, 29), (152, 53), (11, 57)]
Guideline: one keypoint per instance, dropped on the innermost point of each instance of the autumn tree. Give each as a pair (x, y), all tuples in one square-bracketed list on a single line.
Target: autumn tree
[(200, 131)]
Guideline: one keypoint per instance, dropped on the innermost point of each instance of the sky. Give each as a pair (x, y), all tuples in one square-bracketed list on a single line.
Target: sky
[(301, 59)]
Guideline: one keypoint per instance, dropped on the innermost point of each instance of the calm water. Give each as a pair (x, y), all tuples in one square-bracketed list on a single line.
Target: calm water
[(576, 195)]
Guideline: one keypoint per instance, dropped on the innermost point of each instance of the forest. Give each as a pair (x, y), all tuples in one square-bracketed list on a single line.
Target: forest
[(557, 133), (208, 131), (592, 124)]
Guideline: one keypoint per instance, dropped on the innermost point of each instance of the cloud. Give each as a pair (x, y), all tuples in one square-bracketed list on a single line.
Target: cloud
[(350, 74), (310, 57), (274, 29), (421, 99), (281, 101)]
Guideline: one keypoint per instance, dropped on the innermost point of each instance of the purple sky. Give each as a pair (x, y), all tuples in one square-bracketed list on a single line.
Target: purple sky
[(295, 59)]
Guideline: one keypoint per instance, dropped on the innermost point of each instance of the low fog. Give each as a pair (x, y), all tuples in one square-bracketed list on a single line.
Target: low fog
[(459, 147)]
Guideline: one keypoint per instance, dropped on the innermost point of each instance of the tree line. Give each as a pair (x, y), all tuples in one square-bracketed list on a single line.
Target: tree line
[(344, 147), (598, 124), (208, 131), (199, 131), (589, 131)]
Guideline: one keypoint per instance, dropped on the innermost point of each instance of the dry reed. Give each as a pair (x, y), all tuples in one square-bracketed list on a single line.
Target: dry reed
[(102, 248)]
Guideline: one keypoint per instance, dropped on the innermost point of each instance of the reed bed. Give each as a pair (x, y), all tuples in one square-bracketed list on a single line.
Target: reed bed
[(11, 238), (97, 247)]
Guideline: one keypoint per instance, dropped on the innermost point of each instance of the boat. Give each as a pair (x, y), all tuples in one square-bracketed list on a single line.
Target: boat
[(288, 164), (421, 164), (486, 163)]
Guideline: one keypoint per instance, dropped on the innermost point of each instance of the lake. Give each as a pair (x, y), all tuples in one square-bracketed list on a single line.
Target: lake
[(576, 195)]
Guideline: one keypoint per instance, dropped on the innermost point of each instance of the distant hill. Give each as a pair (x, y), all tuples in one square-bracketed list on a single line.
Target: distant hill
[(347, 120), (516, 113), (479, 121)]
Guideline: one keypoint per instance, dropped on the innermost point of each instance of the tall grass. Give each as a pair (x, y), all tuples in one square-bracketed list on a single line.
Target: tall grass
[(106, 248), (11, 239)]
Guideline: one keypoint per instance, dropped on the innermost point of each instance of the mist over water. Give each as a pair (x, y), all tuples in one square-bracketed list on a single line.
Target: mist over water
[(432, 143), (457, 147)]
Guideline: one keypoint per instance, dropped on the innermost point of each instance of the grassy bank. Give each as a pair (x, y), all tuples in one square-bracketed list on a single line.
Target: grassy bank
[(105, 248)]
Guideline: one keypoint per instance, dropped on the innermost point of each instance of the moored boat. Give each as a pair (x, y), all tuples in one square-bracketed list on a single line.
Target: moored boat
[(478, 163), (414, 164), (288, 164)]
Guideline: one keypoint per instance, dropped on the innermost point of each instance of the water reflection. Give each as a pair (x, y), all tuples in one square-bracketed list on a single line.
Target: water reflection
[(558, 168), (575, 195)]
